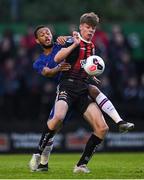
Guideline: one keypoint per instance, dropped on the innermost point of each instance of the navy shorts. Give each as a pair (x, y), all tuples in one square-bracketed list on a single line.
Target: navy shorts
[(75, 94)]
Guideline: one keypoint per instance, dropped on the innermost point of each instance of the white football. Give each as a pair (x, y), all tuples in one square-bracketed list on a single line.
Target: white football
[(94, 65)]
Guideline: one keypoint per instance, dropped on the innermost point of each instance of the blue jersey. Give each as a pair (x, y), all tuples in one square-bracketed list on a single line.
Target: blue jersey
[(48, 61)]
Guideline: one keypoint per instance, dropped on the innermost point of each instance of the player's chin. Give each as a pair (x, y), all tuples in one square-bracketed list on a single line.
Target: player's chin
[(48, 44), (89, 37)]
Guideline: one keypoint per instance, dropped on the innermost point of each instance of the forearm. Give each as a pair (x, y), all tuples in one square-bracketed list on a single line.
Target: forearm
[(64, 53), (50, 72)]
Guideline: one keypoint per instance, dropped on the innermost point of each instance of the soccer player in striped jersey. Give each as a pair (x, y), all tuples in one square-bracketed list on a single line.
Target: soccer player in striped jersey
[(46, 66)]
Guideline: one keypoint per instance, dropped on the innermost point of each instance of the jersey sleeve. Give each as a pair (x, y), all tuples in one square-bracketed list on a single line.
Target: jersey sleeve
[(38, 66), (69, 42), (46, 61)]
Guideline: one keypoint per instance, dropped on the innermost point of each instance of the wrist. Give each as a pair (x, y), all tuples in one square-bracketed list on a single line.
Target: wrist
[(58, 67), (75, 45)]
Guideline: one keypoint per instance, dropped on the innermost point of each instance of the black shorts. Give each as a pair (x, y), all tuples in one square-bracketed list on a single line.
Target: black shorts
[(75, 94)]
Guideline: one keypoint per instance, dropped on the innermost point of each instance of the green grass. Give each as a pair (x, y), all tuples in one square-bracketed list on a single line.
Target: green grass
[(102, 166)]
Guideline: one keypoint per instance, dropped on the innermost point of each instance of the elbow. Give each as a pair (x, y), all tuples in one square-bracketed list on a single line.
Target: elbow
[(46, 74), (56, 59)]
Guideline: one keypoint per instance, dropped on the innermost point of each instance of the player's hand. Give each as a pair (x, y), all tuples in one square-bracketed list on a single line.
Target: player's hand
[(64, 66), (76, 38)]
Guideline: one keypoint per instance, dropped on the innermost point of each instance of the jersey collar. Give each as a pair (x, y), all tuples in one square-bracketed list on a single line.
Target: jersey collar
[(83, 39)]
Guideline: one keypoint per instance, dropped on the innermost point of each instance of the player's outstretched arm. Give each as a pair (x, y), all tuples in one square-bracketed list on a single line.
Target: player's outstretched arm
[(64, 52), (53, 71)]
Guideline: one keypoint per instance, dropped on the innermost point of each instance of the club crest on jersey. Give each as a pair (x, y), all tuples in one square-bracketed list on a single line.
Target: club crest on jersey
[(82, 62), (62, 93)]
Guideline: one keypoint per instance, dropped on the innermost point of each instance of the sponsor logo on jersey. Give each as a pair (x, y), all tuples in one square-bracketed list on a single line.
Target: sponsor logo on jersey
[(83, 48)]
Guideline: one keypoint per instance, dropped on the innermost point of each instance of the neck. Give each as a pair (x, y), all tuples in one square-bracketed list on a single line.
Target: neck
[(47, 51), (47, 48)]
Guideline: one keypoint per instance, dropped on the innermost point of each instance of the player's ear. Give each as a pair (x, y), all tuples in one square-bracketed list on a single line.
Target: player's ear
[(37, 41), (80, 26)]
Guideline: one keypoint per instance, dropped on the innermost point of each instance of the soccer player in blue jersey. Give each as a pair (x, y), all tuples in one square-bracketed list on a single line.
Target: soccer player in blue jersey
[(46, 66)]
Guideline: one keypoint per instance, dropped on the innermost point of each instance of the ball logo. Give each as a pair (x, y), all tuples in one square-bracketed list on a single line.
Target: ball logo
[(92, 68), (100, 67), (95, 61)]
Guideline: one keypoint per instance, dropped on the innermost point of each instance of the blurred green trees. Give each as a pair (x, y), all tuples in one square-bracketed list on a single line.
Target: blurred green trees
[(41, 11)]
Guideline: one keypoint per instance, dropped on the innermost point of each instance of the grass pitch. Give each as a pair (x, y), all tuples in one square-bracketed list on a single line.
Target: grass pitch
[(102, 166)]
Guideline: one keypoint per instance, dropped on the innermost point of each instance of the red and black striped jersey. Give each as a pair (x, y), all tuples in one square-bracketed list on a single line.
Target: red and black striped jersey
[(76, 58)]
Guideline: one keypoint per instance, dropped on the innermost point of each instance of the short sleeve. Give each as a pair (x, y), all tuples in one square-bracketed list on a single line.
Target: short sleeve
[(69, 42), (38, 65)]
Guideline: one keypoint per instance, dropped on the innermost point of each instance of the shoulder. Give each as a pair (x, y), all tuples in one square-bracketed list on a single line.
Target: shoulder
[(39, 58), (69, 41), (57, 46), (93, 45)]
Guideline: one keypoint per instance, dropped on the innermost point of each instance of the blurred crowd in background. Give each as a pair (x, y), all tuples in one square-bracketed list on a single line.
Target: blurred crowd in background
[(24, 93)]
